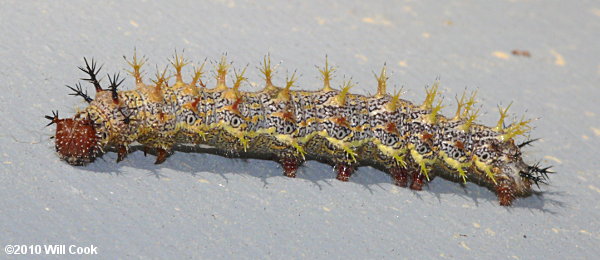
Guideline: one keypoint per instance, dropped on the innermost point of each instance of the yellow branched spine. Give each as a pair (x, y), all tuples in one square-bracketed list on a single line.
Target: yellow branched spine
[(284, 94), (394, 103), (341, 97), (503, 115), (267, 70), (381, 82), (432, 94), (178, 62), (518, 128), (515, 129), (465, 111), (136, 66), (161, 78), (222, 68), (239, 79), (326, 75), (198, 73)]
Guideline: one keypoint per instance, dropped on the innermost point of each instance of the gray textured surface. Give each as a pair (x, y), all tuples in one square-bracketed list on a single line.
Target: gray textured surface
[(197, 205)]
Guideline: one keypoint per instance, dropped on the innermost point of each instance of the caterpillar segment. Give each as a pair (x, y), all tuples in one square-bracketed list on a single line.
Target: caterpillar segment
[(412, 143)]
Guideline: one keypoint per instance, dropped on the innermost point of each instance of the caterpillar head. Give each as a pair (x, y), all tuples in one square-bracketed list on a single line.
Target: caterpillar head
[(76, 140), (513, 177)]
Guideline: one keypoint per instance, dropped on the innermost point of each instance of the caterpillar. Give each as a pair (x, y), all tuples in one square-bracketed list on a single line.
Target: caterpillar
[(412, 143)]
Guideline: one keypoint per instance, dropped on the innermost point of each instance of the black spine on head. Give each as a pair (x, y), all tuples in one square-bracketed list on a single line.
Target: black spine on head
[(52, 118), (92, 73), (526, 143), (78, 91), (537, 174), (114, 84)]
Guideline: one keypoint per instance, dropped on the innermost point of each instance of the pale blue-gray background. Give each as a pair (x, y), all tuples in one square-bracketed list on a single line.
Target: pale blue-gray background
[(204, 206)]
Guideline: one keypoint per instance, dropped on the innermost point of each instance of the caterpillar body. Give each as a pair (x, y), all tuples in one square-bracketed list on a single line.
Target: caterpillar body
[(413, 143)]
